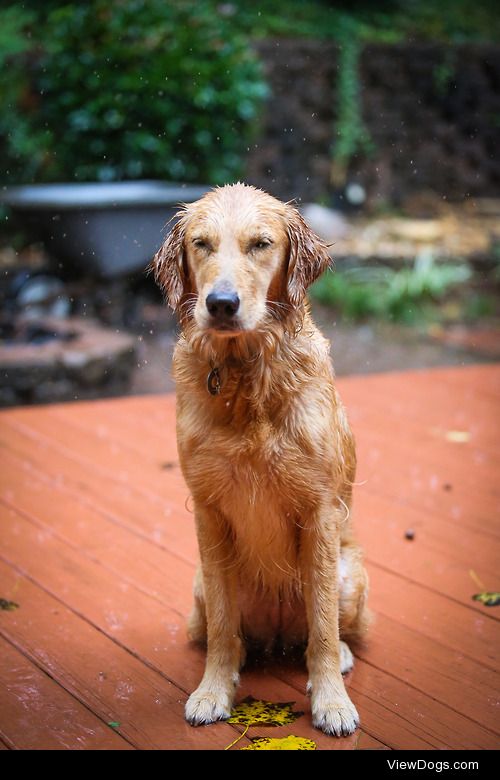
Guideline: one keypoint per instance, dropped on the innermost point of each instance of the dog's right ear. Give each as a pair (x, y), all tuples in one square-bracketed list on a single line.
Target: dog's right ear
[(168, 264)]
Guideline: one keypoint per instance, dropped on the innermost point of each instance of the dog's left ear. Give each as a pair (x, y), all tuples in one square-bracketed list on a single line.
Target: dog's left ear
[(309, 256), (168, 264)]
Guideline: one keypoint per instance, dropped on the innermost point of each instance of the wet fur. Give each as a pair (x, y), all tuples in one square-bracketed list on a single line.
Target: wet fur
[(270, 462)]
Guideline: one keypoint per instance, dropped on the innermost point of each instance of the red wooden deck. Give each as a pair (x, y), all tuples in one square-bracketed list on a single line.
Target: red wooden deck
[(97, 548)]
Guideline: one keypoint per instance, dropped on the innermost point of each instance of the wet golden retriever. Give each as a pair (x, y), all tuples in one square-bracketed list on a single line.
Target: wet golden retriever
[(265, 448)]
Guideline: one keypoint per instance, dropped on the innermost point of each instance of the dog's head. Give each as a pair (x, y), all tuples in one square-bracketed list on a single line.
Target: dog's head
[(236, 259)]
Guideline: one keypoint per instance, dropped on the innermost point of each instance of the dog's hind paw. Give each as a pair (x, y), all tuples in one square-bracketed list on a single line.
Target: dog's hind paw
[(206, 706)]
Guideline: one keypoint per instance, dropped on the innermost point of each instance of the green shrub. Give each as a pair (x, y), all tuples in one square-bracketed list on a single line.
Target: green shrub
[(351, 134), (124, 89), (401, 295)]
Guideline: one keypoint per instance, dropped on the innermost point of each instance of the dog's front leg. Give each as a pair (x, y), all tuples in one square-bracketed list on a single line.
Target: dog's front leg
[(213, 699), (332, 710)]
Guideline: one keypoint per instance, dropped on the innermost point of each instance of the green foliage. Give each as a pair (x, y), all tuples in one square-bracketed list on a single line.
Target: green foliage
[(399, 295), (125, 89), (480, 306), (352, 136), (384, 21), (445, 71), (15, 44), (353, 24), (13, 39)]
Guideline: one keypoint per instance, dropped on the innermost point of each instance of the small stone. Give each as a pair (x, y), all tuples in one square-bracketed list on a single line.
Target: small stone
[(330, 225)]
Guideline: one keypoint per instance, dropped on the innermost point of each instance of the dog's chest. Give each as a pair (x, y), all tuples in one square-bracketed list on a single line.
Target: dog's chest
[(248, 477), (263, 520), (240, 467)]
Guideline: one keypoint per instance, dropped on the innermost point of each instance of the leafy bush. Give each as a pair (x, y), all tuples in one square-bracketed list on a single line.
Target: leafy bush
[(386, 20), (124, 89), (388, 293)]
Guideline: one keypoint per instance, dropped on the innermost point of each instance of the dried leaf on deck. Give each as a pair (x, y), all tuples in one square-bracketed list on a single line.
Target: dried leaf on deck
[(8, 606), (488, 599), (253, 712), (458, 437), (283, 743)]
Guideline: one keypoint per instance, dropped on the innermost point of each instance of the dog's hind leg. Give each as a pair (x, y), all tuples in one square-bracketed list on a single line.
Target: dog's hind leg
[(354, 616), (197, 621)]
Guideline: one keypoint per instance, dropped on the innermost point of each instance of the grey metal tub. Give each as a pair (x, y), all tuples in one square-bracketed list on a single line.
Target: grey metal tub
[(103, 229)]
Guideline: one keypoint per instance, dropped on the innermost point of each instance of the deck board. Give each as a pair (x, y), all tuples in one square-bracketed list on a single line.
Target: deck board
[(37, 713), (98, 547)]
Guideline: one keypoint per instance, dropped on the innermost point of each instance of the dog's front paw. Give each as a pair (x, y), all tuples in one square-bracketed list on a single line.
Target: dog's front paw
[(207, 705), (335, 716)]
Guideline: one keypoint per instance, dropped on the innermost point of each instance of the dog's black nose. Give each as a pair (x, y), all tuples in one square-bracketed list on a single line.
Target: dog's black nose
[(222, 305)]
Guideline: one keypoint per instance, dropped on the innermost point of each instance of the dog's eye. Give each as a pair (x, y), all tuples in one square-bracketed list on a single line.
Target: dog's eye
[(262, 243), (200, 243)]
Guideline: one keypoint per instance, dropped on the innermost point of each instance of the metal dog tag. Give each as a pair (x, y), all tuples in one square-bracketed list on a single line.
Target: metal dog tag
[(213, 382)]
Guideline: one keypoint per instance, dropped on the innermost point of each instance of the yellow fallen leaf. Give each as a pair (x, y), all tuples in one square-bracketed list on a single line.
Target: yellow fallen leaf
[(253, 712), (487, 599), (457, 437), (283, 743)]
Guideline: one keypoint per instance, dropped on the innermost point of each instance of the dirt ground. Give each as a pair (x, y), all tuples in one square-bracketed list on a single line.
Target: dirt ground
[(356, 349)]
